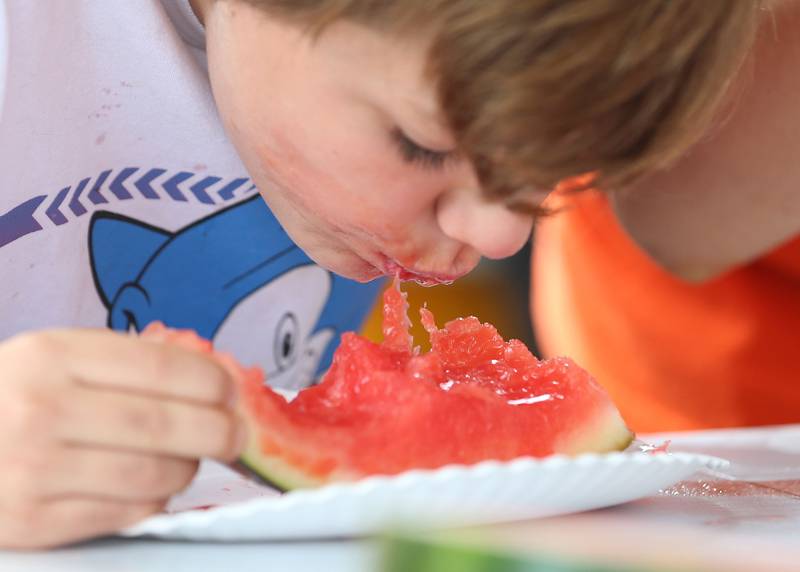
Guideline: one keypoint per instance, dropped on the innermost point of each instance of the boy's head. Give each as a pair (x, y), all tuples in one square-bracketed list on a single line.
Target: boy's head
[(391, 135)]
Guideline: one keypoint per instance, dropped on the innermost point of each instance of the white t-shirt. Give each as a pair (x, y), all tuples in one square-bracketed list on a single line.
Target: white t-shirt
[(122, 201)]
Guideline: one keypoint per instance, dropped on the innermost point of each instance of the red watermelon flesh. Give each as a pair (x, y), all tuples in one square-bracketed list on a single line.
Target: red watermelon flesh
[(386, 408)]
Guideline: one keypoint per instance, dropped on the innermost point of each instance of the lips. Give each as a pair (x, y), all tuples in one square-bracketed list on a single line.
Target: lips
[(394, 268)]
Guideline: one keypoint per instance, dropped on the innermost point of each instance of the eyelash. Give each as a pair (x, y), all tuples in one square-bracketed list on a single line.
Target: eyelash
[(414, 153)]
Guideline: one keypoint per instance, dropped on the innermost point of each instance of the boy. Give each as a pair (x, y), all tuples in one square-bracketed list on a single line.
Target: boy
[(406, 138)]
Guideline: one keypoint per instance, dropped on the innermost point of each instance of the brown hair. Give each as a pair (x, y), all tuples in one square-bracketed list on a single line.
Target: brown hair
[(537, 91)]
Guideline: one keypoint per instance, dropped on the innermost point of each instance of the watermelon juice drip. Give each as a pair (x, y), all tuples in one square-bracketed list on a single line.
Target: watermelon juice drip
[(468, 352)]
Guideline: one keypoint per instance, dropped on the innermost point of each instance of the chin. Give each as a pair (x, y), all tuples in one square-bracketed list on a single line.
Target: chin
[(351, 267)]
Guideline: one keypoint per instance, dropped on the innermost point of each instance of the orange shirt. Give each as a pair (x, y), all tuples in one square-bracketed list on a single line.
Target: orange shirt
[(673, 355)]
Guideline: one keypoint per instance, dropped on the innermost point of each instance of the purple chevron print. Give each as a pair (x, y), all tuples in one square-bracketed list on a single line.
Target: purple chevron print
[(151, 184), (53, 212), (116, 185), (226, 193), (75, 203), (94, 195), (171, 185), (144, 186), (199, 189), (19, 221)]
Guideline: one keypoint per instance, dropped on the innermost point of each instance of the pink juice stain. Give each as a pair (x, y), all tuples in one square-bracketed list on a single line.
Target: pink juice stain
[(656, 449)]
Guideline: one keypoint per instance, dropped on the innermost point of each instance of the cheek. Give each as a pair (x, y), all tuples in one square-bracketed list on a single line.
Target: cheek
[(332, 163), (370, 181), (347, 180)]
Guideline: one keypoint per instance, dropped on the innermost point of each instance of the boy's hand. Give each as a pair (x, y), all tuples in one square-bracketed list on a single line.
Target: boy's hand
[(98, 429)]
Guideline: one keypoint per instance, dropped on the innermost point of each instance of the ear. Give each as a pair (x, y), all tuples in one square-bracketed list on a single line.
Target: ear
[(120, 248)]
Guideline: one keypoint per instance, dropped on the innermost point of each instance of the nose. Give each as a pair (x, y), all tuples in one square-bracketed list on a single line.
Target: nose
[(466, 215)]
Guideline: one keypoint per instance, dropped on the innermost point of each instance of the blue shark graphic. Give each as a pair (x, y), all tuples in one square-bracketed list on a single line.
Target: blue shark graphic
[(236, 278)]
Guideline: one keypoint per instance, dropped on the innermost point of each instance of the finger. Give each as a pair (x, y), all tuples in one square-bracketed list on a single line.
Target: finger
[(140, 423), (115, 475), (71, 520), (100, 357)]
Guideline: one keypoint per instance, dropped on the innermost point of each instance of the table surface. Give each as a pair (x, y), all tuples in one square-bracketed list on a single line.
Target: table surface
[(756, 500)]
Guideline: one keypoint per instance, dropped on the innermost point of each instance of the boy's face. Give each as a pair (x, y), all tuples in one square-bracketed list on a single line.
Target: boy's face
[(344, 139)]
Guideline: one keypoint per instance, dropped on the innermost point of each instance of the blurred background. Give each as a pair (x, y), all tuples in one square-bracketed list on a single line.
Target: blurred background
[(496, 292)]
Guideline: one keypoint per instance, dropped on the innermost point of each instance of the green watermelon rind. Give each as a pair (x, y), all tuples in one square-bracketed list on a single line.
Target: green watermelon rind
[(606, 434), (273, 470)]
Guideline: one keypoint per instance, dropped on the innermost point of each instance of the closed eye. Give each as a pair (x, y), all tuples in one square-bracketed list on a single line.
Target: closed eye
[(416, 154)]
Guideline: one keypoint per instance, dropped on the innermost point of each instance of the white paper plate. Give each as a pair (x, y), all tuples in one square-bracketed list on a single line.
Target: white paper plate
[(486, 493)]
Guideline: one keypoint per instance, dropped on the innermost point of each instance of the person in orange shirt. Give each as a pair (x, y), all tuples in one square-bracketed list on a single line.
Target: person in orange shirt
[(681, 290)]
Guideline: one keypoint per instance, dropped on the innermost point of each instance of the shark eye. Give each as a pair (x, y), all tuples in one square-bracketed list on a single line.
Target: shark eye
[(286, 341)]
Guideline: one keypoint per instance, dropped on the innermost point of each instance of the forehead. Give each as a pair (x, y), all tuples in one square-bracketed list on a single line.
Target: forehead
[(384, 65)]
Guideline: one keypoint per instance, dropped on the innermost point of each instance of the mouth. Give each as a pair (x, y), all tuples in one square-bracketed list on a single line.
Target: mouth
[(391, 267)]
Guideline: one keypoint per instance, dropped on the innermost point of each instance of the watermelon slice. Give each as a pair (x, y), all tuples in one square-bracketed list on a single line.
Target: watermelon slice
[(386, 408)]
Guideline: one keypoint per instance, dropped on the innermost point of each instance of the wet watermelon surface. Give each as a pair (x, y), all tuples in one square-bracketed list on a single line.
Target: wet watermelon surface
[(385, 408)]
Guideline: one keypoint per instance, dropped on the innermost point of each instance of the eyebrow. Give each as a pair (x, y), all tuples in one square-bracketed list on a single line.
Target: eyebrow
[(428, 115), (425, 112)]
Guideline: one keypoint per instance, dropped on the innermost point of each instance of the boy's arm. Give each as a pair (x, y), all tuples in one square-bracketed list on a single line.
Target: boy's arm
[(736, 195)]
